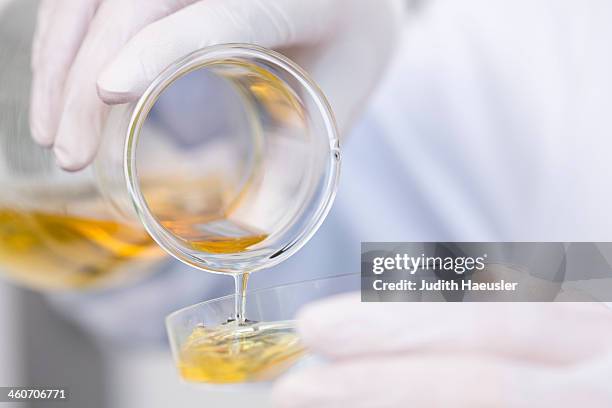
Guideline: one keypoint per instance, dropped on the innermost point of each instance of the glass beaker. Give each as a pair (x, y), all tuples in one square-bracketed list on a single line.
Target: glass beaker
[(229, 159), (209, 350)]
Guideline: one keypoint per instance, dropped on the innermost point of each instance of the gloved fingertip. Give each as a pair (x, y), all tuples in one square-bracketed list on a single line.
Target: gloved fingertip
[(115, 89), (116, 97), (40, 135), (331, 327), (316, 320), (315, 325), (311, 323), (39, 131), (79, 132), (69, 160)]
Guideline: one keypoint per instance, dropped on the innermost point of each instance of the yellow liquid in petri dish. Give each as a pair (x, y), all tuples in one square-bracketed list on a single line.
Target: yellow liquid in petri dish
[(233, 353)]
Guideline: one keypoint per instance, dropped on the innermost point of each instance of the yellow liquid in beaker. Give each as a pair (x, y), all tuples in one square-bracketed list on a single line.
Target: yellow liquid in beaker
[(215, 236)]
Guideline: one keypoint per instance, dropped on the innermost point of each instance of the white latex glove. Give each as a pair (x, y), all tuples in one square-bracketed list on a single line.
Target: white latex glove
[(453, 355), (87, 52)]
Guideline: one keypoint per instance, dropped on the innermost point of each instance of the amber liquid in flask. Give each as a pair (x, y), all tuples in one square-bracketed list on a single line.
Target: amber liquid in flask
[(84, 248), (58, 251)]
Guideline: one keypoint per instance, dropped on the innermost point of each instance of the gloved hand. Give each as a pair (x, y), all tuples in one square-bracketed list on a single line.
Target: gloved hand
[(453, 354), (87, 52)]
